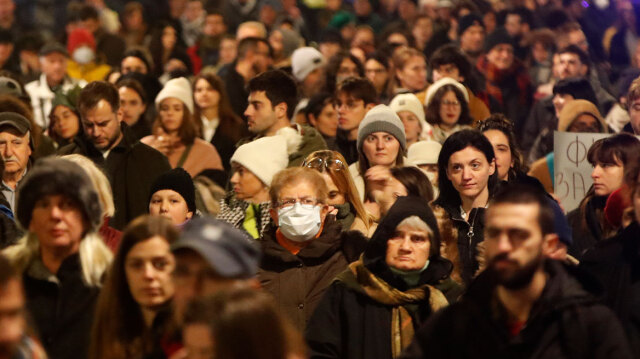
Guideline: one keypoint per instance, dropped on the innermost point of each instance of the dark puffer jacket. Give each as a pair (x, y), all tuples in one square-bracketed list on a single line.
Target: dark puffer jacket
[(565, 322)]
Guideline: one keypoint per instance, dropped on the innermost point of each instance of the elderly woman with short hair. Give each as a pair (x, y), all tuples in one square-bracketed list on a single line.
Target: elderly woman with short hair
[(373, 308), (305, 249)]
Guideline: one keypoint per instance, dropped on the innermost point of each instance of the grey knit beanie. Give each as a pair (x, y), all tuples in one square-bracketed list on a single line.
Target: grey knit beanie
[(56, 176), (381, 119)]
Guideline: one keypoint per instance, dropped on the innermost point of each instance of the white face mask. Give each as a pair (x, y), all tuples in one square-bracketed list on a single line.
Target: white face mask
[(83, 55), (300, 222)]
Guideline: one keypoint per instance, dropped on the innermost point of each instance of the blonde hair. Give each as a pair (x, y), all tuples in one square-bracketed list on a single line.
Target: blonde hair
[(95, 256), (100, 182)]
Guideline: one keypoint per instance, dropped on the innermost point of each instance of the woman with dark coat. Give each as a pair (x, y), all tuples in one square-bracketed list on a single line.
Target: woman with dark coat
[(400, 279)]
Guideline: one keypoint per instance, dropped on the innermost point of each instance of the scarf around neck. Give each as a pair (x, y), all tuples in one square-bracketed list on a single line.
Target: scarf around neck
[(402, 328), (495, 77)]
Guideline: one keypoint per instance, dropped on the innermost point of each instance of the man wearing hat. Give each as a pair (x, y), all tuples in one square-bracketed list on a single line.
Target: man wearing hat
[(53, 64), (211, 255), (307, 65), (507, 80), (471, 34), (15, 149)]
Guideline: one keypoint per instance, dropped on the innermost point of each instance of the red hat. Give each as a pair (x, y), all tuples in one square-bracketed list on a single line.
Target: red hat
[(79, 37), (618, 201)]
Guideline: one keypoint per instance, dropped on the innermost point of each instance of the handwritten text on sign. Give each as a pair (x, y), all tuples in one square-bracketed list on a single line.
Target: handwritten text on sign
[(572, 170)]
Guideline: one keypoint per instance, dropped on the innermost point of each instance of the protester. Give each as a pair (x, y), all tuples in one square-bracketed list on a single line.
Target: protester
[(466, 178), (16, 148), (556, 318), (133, 306), (53, 59), (130, 165), (411, 112), (610, 158), (15, 339), (64, 119), (403, 181), (424, 155), (272, 99), (175, 132), (173, 196), (219, 125), (354, 98), (322, 114), (381, 145), (304, 245), (447, 108), (400, 278), (253, 165), (133, 104), (61, 258), (343, 195), (410, 70)]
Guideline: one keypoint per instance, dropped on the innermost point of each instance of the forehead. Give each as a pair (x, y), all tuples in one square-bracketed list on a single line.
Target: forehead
[(513, 215), (171, 101), (569, 56), (167, 193), (54, 56), (585, 118), (412, 229), (467, 154), (128, 93), (10, 133), (132, 61), (301, 188), (259, 96), (496, 136), (502, 47), (101, 111)]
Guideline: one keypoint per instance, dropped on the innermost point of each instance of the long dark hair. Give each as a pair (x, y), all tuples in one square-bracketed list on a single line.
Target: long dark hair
[(118, 329), (458, 141), (230, 125)]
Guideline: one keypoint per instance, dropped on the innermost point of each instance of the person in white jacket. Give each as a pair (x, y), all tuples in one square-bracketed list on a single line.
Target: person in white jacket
[(53, 63)]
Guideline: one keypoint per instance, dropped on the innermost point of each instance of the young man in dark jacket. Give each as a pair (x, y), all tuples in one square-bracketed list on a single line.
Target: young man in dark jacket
[(130, 165), (522, 306)]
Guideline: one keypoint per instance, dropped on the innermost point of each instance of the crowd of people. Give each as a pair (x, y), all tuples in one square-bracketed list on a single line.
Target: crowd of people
[(285, 179)]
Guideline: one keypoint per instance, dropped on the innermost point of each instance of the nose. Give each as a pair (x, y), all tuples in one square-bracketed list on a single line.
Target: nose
[(466, 173), (234, 178), (597, 172), (164, 206), (55, 212), (248, 112), (405, 245), (504, 244), (148, 271), (380, 145)]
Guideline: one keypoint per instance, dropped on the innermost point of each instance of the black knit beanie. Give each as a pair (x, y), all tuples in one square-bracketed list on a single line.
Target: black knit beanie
[(467, 21), (177, 180), (497, 37)]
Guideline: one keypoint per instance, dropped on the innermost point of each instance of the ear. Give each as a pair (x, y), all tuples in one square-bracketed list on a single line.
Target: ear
[(312, 120), (492, 167), (189, 215), (550, 244), (274, 215), (323, 212), (584, 69), (369, 106), (280, 110)]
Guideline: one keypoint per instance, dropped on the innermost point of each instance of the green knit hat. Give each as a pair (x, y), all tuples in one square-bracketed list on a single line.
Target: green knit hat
[(68, 99), (341, 19)]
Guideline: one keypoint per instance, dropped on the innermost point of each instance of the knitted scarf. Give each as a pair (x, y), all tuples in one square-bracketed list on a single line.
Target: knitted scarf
[(495, 77), (402, 331)]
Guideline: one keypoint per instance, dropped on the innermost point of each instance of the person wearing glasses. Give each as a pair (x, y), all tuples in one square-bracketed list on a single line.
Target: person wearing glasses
[(447, 108), (253, 166), (304, 249), (343, 195)]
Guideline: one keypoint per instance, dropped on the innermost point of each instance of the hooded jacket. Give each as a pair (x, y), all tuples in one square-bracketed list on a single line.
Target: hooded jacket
[(131, 168), (298, 281), (349, 323), (565, 322)]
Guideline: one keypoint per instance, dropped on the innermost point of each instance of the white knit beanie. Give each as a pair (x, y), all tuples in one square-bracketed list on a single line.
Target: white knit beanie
[(304, 61), (431, 91), (409, 102), (264, 157), (424, 153), (381, 118), (179, 88)]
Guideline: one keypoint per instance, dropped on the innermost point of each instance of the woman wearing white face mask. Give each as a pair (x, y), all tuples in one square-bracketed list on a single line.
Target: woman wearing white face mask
[(83, 64), (302, 252)]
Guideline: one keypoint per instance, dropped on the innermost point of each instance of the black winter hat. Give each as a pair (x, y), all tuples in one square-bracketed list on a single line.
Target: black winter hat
[(177, 180), (467, 21), (56, 176), (497, 37)]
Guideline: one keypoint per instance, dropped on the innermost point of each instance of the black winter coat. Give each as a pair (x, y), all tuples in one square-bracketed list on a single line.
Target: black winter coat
[(566, 322), (616, 263), (131, 168), (62, 308)]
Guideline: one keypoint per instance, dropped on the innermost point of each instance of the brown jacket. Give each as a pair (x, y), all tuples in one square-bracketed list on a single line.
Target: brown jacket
[(298, 282)]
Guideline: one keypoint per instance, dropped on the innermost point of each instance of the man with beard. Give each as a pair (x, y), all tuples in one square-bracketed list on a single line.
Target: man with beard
[(130, 165), (523, 305)]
